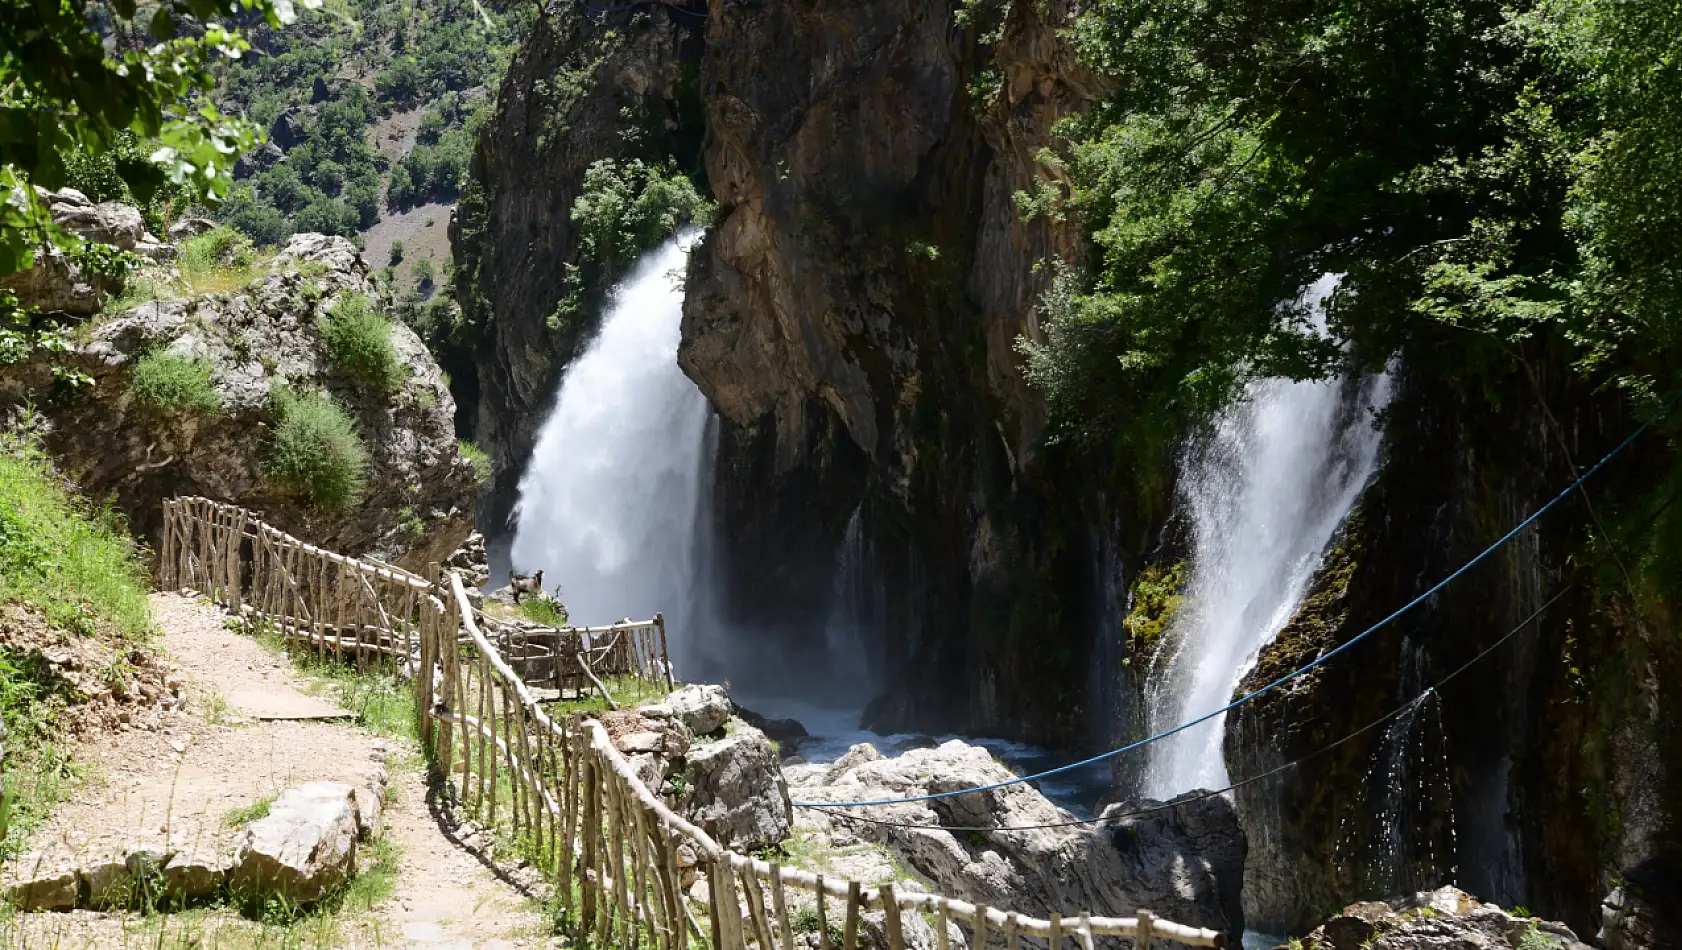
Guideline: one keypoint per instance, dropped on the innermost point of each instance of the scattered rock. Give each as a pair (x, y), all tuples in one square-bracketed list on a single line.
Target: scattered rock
[(58, 889), (190, 228), (1446, 917), (735, 787), (190, 876), (1185, 863), (786, 731), (702, 708), (304, 847)]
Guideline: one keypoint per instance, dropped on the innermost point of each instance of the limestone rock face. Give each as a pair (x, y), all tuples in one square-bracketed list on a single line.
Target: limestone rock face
[(1184, 864), (1446, 917), (304, 847), (735, 789), (419, 502), (55, 284), (580, 89)]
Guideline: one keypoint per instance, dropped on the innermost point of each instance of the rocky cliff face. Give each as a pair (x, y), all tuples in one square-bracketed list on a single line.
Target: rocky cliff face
[(1545, 773), (580, 90), (419, 503), (853, 317)]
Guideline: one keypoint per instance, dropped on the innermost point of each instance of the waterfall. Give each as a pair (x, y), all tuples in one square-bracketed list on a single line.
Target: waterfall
[(609, 505), (1264, 491), (857, 614)]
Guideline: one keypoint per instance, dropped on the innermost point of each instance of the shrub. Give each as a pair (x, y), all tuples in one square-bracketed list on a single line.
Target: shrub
[(173, 385), (543, 610), (481, 462), (359, 342), (316, 452), (215, 249)]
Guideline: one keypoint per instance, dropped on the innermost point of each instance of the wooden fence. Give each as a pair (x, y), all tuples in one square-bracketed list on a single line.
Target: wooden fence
[(558, 786)]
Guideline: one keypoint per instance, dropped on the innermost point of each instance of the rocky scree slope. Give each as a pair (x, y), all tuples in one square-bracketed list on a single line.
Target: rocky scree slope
[(256, 347)]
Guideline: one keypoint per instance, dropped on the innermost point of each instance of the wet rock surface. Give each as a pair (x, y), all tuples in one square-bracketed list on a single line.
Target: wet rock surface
[(1445, 918), (1184, 862)]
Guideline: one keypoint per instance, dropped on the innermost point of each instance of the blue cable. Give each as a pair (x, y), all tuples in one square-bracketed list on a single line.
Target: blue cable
[(1288, 676)]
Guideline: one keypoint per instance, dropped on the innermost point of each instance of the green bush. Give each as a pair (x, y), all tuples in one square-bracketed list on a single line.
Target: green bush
[(316, 452), (215, 249), (359, 342), (481, 462), (174, 385)]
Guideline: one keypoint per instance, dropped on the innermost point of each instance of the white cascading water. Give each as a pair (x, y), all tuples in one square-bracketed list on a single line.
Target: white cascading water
[(1265, 491), (608, 506)]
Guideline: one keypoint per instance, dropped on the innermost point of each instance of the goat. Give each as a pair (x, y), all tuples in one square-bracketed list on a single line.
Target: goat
[(532, 584)]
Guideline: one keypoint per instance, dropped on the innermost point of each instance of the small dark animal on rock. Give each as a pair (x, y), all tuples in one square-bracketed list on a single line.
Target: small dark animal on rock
[(530, 584)]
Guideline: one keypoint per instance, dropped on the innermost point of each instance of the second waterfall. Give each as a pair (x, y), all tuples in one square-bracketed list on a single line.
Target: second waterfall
[(1264, 491)]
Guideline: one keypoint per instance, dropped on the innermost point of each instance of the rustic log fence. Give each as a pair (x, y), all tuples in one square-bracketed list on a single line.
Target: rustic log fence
[(556, 785)]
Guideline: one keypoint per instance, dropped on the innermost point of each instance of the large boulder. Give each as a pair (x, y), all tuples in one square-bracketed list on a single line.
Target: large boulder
[(304, 847), (55, 284), (703, 708), (420, 494), (1444, 919), (734, 787), (1184, 862)]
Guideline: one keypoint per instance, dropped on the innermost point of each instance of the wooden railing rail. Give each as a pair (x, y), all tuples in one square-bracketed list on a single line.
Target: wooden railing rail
[(557, 786)]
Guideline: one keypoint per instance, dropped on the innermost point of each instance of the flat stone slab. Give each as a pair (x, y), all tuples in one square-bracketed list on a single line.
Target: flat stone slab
[(260, 704)]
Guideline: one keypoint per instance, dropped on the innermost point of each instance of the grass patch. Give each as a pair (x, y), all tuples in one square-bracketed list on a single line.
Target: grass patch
[(627, 691), (220, 260), (71, 559), (246, 814), (74, 565), (358, 341), (175, 385), (482, 468), (316, 452), (542, 610), (381, 705)]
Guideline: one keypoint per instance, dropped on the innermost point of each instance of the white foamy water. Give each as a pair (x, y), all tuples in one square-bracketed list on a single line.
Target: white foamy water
[(1265, 491), (608, 505)]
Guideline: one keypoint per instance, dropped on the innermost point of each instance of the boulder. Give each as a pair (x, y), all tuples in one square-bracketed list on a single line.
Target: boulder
[(1185, 863), (304, 847), (788, 731), (734, 787), (191, 876), (109, 222), (42, 889), (703, 708), (1430, 920), (190, 228)]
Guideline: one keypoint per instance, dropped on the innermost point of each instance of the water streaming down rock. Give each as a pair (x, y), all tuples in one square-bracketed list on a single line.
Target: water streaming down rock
[(609, 505), (1264, 492)]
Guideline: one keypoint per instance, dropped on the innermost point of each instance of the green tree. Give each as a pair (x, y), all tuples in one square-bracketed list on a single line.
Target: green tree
[(64, 94)]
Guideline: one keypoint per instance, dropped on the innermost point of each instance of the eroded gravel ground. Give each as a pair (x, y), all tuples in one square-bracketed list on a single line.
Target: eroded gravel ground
[(172, 780)]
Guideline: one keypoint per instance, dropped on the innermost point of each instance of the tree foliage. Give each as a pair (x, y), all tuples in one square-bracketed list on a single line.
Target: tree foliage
[(66, 96), (1487, 178)]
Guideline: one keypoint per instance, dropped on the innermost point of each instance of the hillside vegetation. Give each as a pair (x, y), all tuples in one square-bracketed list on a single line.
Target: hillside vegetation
[(331, 91), (69, 566)]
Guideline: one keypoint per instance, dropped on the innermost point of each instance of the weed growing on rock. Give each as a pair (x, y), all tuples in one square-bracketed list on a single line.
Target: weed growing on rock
[(482, 469), (175, 385), (316, 452), (246, 814), (358, 341)]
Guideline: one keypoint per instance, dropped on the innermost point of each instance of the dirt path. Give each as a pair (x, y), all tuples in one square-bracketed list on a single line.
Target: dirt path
[(179, 780)]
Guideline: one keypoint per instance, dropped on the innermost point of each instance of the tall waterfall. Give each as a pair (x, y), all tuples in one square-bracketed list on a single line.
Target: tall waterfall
[(608, 507), (1265, 490)]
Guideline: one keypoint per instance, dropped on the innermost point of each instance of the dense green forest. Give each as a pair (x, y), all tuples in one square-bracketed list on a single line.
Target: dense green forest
[(324, 86), (1494, 181)]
